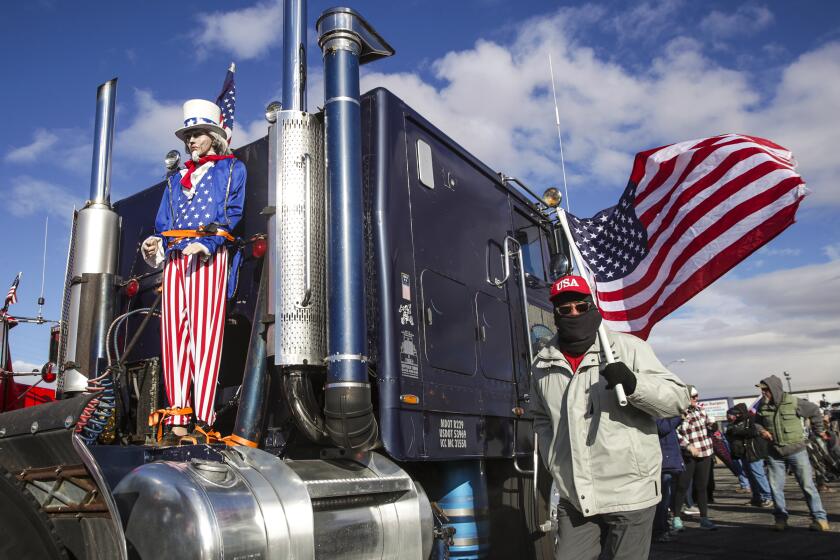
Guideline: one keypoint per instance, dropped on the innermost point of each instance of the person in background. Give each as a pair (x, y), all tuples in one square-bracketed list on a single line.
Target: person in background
[(672, 466), (779, 421), (697, 449), (722, 452), (751, 450)]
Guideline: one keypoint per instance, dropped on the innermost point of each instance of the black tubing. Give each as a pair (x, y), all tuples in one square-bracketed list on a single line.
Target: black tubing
[(349, 417), (255, 382)]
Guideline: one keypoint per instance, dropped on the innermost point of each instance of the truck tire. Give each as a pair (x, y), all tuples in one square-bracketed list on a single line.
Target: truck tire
[(27, 532)]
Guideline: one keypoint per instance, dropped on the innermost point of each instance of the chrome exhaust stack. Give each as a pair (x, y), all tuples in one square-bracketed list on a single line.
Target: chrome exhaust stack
[(92, 263)]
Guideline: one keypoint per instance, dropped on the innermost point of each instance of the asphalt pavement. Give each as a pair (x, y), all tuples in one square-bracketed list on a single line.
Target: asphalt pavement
[(744, 531)]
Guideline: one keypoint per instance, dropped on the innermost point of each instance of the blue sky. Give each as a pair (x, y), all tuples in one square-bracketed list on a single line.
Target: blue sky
[(629, 77)]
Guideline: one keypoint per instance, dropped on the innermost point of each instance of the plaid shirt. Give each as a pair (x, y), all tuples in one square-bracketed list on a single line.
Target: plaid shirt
[(694, 431)]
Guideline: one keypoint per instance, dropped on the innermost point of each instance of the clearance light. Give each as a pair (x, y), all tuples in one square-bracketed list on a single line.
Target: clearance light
[(48, 372), (271, 111), (131, 288), (259, 247), (552, 197), (172, 160), (410, 399)]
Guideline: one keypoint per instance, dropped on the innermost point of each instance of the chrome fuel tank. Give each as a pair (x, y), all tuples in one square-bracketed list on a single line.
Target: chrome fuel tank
[(255, 505)]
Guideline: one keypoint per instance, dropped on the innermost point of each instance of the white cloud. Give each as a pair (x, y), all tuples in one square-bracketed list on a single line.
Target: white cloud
[(832, 251), (645, 21), (608, 111), (740, 330), (150, 133), (27, 196), (780, 252), (801, 116), (245, 134), (743, 21), (21, 366), (44, 140), (246, 33)]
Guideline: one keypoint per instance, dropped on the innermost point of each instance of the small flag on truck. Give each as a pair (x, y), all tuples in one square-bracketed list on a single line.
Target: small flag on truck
[(11, 295), (227, 101)]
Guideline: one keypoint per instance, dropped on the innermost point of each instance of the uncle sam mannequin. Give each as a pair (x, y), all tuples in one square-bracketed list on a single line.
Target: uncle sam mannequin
[(200, 207)]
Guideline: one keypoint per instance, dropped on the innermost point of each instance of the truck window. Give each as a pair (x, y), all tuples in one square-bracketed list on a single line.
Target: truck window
[(532, 239)]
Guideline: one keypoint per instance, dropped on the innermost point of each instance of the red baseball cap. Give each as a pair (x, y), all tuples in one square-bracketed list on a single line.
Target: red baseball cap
[(569, 283)]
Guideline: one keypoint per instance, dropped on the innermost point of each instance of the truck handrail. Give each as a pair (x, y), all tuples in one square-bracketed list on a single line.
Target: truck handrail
[(307, 252)]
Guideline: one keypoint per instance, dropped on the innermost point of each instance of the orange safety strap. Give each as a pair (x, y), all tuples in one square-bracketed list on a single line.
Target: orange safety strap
[(178, 235), (234, 439), (210, 436), (157, 417)]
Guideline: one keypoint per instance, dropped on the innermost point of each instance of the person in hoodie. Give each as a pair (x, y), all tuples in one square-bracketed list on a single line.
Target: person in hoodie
[(751, 449), (779, 420), (672, 466), (604, 458)]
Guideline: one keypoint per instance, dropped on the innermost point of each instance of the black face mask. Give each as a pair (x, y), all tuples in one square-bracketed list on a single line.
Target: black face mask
[(575, 334)]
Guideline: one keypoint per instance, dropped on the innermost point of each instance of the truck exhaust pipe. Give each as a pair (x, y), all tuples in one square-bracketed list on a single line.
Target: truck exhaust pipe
[(346, 41), (92, 262)]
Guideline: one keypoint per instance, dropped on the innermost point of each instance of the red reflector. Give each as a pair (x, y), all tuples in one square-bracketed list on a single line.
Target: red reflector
[(131, 288), (48, 373), (259, 247)]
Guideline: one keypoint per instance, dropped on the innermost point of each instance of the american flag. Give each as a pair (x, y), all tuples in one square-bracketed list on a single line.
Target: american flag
[(691, 211), (227, 101), (11, 295)]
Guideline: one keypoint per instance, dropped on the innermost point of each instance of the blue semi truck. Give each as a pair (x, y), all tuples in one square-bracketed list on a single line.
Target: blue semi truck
[(375, 370)]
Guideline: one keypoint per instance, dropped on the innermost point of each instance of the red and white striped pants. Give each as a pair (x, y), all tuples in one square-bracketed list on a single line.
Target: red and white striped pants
[(192, 328)]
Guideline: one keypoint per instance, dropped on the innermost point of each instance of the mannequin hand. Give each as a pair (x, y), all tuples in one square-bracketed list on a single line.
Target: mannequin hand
[(618, 372), (150, 246), (197, 248)]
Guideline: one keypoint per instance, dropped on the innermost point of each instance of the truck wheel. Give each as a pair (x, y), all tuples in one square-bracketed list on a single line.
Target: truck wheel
[(27, 531)]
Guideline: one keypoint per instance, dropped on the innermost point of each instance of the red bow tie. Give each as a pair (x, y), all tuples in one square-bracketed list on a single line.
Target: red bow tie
[(186, 180)]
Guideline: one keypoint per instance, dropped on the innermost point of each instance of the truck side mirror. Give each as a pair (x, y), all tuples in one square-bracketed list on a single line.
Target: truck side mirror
[(559, 265)]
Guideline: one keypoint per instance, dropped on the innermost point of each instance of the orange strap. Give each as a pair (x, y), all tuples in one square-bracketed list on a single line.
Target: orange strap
[(212, 435), (234, 439), (157, 417), (178, 235)]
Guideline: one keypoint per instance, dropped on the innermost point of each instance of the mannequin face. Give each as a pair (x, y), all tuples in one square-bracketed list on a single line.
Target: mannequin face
[(199, 143)]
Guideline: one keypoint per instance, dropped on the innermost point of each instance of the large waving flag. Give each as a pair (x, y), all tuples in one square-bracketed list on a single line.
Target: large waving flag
[(690, 212)]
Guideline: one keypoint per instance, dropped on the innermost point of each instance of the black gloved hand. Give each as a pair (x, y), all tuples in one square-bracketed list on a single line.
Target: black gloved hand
[(618, 372)]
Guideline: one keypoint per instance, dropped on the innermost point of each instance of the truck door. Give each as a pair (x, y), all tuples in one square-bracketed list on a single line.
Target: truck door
[(460, 217)]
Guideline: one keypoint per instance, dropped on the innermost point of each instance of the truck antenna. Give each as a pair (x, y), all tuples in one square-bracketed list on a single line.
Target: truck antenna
[(43, 272), (559, 136)]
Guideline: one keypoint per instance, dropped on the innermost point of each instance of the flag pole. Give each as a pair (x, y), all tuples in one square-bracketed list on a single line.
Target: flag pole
[(43, 271), (559, 135), (577, 260)]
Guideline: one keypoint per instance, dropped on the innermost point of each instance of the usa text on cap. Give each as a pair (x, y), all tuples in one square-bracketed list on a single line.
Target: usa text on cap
[(569, 283)]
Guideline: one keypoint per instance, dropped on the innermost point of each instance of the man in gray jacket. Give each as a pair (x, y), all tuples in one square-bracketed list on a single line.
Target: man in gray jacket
[(779, 421), (604, 458)]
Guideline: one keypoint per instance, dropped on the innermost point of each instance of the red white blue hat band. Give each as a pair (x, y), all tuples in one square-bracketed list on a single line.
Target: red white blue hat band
[(203, 115)]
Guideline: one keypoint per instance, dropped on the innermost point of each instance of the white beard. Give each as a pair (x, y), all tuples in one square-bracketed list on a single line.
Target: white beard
[(195, 156)]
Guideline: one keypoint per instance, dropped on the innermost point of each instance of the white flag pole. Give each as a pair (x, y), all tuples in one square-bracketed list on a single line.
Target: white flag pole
[(578, 261)]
